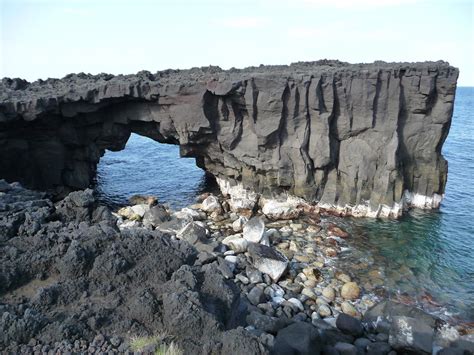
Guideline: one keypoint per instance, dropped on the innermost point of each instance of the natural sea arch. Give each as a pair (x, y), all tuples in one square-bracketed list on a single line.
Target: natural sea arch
[(148, 167)]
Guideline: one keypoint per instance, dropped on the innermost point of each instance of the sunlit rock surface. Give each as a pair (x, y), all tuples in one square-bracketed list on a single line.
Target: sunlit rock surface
[(361, 139)]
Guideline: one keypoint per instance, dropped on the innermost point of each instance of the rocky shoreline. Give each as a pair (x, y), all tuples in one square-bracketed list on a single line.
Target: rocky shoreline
[(76, 277)]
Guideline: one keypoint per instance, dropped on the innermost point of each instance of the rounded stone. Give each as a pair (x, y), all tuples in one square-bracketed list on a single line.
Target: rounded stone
[(343, 277), (330, 252), (329, 293), (309, 293), (349, 309), (350, 291), (324, 310)]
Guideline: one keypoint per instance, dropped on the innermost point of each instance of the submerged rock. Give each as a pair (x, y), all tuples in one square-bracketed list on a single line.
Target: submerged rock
[(410, 334), (350, 291)]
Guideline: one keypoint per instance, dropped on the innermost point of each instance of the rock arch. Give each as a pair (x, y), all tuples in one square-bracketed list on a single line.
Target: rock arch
[(364, 139)]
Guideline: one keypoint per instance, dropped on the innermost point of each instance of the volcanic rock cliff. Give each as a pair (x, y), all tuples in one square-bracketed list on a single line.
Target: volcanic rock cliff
[(364, 139)]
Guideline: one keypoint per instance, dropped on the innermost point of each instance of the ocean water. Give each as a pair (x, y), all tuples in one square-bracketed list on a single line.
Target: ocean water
[(427, 257), (150, 168)]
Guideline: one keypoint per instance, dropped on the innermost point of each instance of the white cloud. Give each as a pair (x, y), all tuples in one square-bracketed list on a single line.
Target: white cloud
[(241, 22)]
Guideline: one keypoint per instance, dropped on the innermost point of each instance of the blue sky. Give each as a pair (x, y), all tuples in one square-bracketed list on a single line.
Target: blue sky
[(51, 38)]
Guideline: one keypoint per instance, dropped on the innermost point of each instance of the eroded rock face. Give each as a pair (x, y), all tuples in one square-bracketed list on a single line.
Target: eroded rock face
[(363, 139)]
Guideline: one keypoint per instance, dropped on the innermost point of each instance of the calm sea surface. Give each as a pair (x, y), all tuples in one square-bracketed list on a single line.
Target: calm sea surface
[(427, 255)]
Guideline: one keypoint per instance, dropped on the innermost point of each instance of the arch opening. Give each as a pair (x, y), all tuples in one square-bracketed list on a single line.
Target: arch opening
[(147, 167)]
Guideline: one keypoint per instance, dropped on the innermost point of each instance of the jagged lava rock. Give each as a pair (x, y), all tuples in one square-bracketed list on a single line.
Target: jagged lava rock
[(362, 139)]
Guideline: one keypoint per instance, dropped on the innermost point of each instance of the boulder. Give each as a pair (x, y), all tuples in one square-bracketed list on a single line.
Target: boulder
[(140, 210), (254, 229), (345, 349), (266, 323), (329, 293), (350, 291), (280, 210), (256, 296), (239, 223), (298, 338), (211, 204), (349, 325), (156, 215), (127, 213), (193, 233), (268, 260), (239, 245), (411, 334), (143, 199)]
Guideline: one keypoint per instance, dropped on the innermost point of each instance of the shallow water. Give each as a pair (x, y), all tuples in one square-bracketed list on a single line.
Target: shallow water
[(428, 255), (432, 252)]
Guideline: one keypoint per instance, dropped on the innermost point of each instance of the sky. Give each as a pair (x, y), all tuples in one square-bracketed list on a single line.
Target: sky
[(51, 38)]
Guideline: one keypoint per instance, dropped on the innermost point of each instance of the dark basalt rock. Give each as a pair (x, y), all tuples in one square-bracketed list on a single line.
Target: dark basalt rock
[(364, 139), (72, 284)]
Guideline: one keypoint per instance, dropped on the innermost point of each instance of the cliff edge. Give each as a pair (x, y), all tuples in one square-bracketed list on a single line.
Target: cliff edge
[(361, 139)]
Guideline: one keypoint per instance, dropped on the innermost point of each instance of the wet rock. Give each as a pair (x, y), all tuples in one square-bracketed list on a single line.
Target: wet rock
[(309, 340), (268, 260), (350, 291), (387, 309), (253, 230), (345, 348), (143, 200), (349, 325), (465, 342), (330, 252), (329, 350), (343, 277), (309, 293), (378, 348), (324, 311), (336, 231), (349, 309), (410, 334), (361, 344), (329, 293), (452, 351)]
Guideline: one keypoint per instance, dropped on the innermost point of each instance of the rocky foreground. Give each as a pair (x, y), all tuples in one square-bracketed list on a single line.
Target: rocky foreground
[(360, 139), (78, 278)]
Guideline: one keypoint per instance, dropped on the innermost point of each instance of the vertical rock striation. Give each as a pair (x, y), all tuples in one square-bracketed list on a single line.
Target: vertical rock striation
[(362, 139)]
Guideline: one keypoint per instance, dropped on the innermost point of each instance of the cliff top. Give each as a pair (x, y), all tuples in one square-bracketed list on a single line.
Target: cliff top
[(16, 89)]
